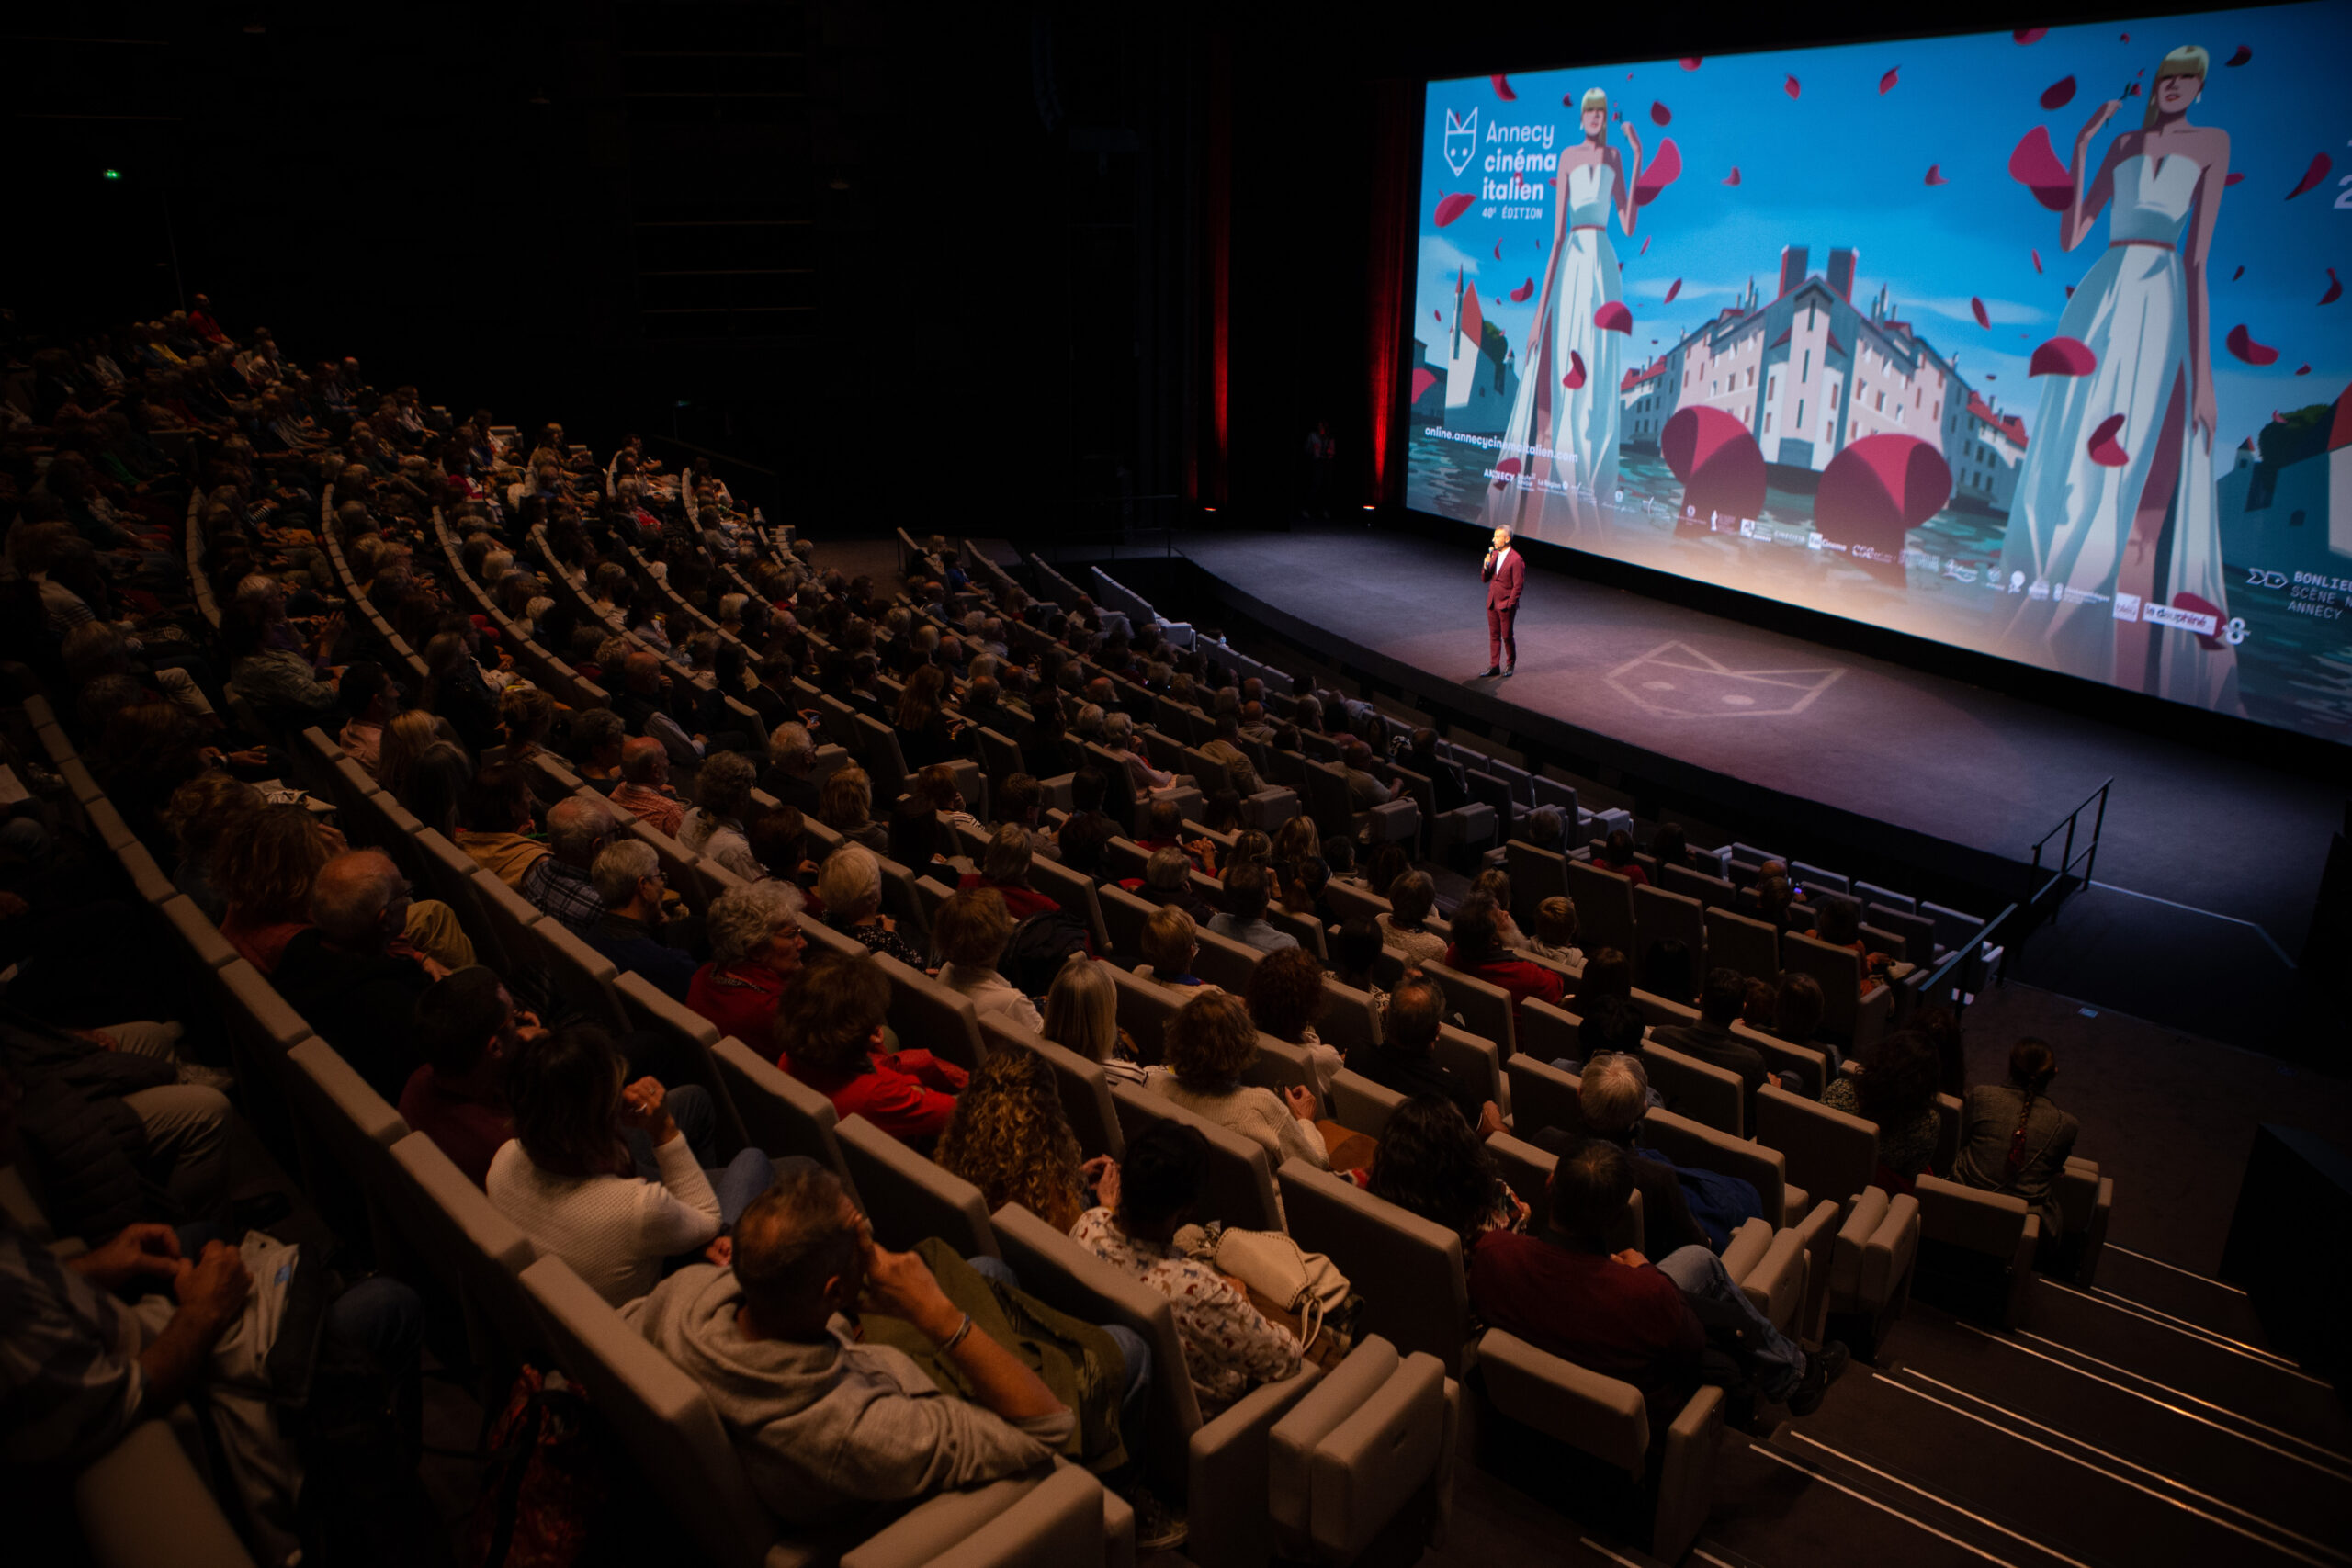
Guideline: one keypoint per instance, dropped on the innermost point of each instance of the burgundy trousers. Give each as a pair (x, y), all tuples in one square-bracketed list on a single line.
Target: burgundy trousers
[(1502, 648)]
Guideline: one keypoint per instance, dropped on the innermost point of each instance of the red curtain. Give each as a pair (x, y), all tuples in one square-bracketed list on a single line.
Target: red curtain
[(1395, 106)]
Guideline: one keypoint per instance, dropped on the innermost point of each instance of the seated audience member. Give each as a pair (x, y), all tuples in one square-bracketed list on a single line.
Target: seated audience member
[(438, 783), (1248, 886), (1671, 846), (1229, 1346), (1495, 883), (1225, 747), (829, 1035), (1893, 1087), (849, 884), (1163, 826), (1168, 879), (1364, 790), (1171, 944), (1356, 952), (1761, 1008), (1009, 1137), (1004, 869), (1614, 1097), (1082, 1015), (597, 738), (1614, 1026), (846, 807), (467, 1028), (790, 774), (1286, 998), (971, 931), (342, 975), (1775, 898), (1411, 898), (1405, 1058), (629, 883), (199, 815), (1838, 921), (1433, 1164), (495, 823), (526, 716), (1088, 827), (1477, 951), (938, 788), (827, 1427), (369, 702), (1118, 739), (1340, 858), (561, 882), (1607, 973), (1615, 853), (779, 842), (645, 790), (926, 733), (917, 840), (1797, 1011), (1020, 802), (1710, 1039), (568, 1183), (1621, 1316), (714, 825), (267, 865), (756, 948), (2013, 1140), (1555, 932), (1208, 1046)]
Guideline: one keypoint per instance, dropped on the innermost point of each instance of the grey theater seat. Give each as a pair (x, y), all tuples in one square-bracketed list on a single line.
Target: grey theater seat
[(907, 1197), (1366, 1457), (143, 1504), (1977, 1251), (1422, 1299)]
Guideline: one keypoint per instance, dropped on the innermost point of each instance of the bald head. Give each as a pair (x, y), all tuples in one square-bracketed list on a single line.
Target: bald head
[(644, 762), (576, 830), (641, 672), (353, 898)]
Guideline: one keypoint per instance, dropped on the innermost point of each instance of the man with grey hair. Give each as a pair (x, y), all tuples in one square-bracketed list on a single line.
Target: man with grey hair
[(558, 883), (1614, 1098), (344, 977), (628, 879), (1168, 879), (714, 825), (825, 1424), (644, 789), (790, 773)]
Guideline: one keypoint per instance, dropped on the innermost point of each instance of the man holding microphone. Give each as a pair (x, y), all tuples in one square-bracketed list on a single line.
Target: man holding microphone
[(1506, 577)]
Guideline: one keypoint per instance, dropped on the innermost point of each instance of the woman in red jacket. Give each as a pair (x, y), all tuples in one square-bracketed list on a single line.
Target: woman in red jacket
[(829, 1035), (1478, 952)]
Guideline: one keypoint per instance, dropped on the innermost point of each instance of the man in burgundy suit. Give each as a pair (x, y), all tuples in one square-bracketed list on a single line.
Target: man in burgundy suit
[(1505, 575)]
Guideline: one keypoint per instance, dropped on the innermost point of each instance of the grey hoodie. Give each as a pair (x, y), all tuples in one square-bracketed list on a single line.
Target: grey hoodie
[(823, 1427)]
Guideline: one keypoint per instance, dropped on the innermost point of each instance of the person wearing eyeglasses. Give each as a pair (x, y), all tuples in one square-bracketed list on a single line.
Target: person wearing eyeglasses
[(628, 878)]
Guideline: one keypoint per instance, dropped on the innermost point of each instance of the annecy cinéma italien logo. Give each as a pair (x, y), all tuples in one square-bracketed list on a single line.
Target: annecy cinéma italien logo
[(1460, 139)]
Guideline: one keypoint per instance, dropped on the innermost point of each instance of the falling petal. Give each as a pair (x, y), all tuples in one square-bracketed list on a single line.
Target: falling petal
[(1453, 207), (1645, 245), (1690, 62), (1498, 250), (1977, 306), (1508, 467), (2235, 276), (2275, 417), (1575, 377), (1990, 377), (2334, 290), (1523, 293), (1502, 89), (2321, 164), (2059, 94), (1671, 291), (2102, 448), (2132, 91), (1613, 318), (1439, 314), (1661, 115), (2063, 356), (1732, 178), (1790, 87), (2241, 57), (2233, 176), (2242, 345), (2029, 35), (2127, 38), (2033, 165), (1886, 82), (2303, 369), (1423, 379), (2070, 291), (1936, 174), (1665, 168), (2036, 261)]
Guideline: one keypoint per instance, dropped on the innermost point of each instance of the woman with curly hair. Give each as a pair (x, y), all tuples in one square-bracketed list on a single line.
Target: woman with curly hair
[(1009, 1137), (200, 813), (1893, 1086), (1208, 1046), (1286, 998), (1433, 1164)]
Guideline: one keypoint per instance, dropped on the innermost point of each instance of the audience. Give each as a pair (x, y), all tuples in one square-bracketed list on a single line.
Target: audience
[(1433, 1164), (561, 882), (1478, 950), (1893, 1087), (714, 825), (2013, 1140), (1405, 1057), (345, 976), (645, 790), (1208, 1046), (630, 883), (849, 884), (1009, 1137), (1710, 1039), (755, 949), (1170, 943), (467, 1028), (1247, 887), (1005, 869), (1412, 895), (828, 1034), (1082, 1015), (846, 806), (971, 931), (1286, 998), (496, 823)]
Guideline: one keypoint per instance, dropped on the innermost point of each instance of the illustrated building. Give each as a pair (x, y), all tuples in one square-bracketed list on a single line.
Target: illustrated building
[(2298, 517)]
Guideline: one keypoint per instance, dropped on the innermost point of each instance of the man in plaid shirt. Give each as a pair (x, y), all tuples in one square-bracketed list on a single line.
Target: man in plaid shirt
[(558, 884)]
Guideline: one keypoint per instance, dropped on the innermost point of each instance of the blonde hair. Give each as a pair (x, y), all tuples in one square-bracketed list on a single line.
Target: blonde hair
[(1594, 98), (1082, 1008), (2188, 59)]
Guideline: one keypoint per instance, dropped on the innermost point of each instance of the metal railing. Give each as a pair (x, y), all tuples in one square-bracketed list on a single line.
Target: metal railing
[(2066, 857), (1953, 977), (1941, 981)]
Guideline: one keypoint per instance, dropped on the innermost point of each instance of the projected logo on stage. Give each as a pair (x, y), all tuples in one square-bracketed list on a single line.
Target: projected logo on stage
[(1989, 339), (1676, 681)]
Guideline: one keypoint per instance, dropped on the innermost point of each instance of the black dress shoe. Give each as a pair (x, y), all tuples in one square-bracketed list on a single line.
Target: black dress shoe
[(1509, 668), (1492, 670)]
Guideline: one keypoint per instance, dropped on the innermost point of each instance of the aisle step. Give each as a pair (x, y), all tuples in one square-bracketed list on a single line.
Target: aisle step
[(1776, 1509), (2163, 1286)]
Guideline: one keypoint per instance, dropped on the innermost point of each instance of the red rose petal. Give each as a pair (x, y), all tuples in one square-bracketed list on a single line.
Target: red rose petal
[(1509, 465), (1453, 207), (1661, 115), (2334, 290), (1576, 376), (1790, 87), (1936, 174), (2241, 57), (2029, 35), (1690, 62), (1664, 167), (2303, 369), (2059, 94), (2321, 164), (1423, 379), (2127, 38), (1498, 250), (2036, 261), (1671, 291), (1613, 318), (1439, 314), (2232, 177), (2235, 276), (1886, 82), (2070, 291), (2132, 91), (1523, 293), (2033, 165), (1732, 178), (2241, 345), (1978, 306), (2102, 447), (1502, 89), (2063, 356), (1990, 377), (1645, 245)]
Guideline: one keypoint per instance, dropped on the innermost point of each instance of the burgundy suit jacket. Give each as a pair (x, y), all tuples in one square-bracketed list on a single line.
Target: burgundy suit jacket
[(1506, 580)]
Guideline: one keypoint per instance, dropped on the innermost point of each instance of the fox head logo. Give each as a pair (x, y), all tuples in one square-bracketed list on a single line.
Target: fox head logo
[(1461, 141)]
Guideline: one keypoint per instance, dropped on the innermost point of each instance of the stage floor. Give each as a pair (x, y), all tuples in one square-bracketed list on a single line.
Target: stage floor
[(1717, 709)]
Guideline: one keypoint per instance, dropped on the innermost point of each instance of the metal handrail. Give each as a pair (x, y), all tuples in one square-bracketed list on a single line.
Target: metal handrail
[(1940, 976), (2066, 858)]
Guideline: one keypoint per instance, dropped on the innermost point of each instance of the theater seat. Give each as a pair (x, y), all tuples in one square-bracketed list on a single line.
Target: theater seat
[(143, 1504), (1416, 1293), (1367, 1455), (781, 1116), (1485, 1009), (1239, 1185), (1976, 1254), (907, 1197)]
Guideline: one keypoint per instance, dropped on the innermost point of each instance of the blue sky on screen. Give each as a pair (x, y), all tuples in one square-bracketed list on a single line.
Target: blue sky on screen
[(1843, 164)]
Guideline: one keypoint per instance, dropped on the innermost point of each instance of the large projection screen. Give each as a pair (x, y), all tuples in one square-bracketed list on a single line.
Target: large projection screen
[(1859, 328)]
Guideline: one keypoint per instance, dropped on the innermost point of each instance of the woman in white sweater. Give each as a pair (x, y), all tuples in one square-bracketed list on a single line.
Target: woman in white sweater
[(567, 1180)]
